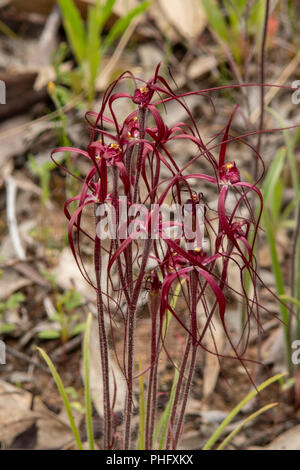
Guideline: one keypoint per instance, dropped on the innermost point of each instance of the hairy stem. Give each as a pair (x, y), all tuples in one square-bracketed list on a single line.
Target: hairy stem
[(178, 391), (186, 390), (130, 345), (154, 302), (103, 343), (142, 118)]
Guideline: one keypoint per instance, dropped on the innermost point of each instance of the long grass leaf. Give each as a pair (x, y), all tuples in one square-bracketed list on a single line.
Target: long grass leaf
[(163, 423), (273, 176), (237, 409), (106, 11), (94, 21), (243, 424), (63, 395), (215, 19), (122, 24), (173, 303), (74, 28), (279, 283)]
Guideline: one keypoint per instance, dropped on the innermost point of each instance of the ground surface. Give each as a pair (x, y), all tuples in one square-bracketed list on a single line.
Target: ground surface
[(31, 411)]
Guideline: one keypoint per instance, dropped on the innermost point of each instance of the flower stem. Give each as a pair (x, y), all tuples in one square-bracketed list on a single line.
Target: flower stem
[(130, 345), (103, 342)]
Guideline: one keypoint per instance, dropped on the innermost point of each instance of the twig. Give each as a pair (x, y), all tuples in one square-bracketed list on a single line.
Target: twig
[(48, 39), (68, 347), (11, 192), (117, 54), (288, 71), (19, 355)]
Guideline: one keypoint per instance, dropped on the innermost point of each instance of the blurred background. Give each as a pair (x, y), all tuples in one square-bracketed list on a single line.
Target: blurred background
[(56, 59)]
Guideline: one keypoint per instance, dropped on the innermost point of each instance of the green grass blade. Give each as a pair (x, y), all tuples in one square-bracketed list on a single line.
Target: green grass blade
[(273, 176), (277, 203), (141, 439), (106, 11), (173, 303), (272, 195), (74, 28), (243, 424), (87, 388), (63, 395), (122, 24), (216, 19), (291, 299), (279, 285), (237, 409), (94, 21), (290, 152), (163, 423)]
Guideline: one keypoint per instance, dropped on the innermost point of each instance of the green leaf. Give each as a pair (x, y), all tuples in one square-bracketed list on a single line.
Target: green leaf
[(238, 408), (215, 19), (14, 301), (6, 328), (49, 334), (290, 152), (71, 300), (63, 395), (244, 423), (74, 28), (256, 18), (71, 392), (273, 176), (55, 317), (290, 299), (106, 11), (87, 389), (94, 22), (76, 405), (77, 329), (277, 201), (122, 24), (173, 303), (163, 423), (279, 280)]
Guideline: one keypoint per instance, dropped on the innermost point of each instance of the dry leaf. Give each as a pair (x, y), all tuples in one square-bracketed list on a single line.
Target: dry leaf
[(15, 413), (68, 275), (212, 365), (186, 17), (289, 440), (96, 375), (11, 282)]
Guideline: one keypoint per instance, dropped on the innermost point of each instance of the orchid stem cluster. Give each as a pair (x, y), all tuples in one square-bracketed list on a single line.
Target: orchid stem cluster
[(132, 166)]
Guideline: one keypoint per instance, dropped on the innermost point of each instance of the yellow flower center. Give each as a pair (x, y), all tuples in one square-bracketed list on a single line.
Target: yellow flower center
[(115, 146)]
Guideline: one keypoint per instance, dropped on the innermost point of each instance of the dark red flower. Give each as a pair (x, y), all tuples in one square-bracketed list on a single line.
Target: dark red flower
[(142, 96), (229, 173)]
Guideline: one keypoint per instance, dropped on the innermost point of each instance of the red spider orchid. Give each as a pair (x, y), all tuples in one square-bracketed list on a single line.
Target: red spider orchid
[(134, 172)]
